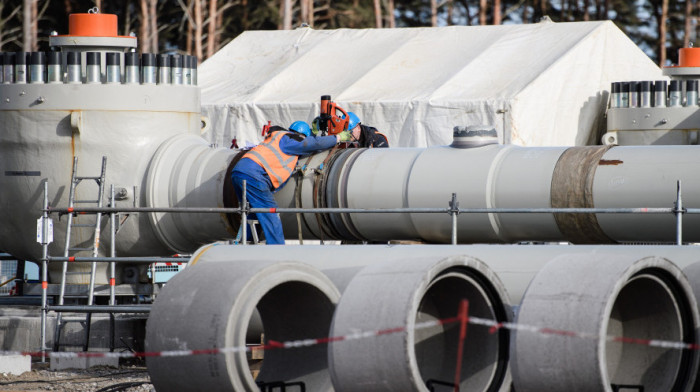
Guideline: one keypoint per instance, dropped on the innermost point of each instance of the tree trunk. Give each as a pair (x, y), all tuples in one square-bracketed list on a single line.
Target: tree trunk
[(662, 32), (390, 14), (127, 18), (304, 11), (244, 22), (586, 13), (688, 23), (211, 35), (190, 28), (377, 14), (27, 25), (310, 18), (433, 13), (450, 12), (144, 28), (286, 14), (497, 12), (198, 29), (34, 27), (153, 24), (482, 12)]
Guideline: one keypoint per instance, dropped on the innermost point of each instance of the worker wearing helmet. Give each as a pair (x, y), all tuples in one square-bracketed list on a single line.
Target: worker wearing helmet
[(365, 135), (268, 166), (300, 127)]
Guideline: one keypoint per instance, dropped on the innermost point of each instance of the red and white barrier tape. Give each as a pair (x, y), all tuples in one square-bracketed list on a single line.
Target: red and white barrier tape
[(494, 326)]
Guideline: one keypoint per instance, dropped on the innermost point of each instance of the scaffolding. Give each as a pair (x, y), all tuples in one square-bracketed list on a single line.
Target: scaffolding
[(678, 210)]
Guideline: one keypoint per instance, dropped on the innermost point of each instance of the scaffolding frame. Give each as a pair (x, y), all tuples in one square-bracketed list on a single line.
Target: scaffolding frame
[(244, 210)]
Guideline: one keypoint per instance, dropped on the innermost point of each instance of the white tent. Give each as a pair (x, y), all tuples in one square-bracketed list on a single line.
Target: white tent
[(540, 84)]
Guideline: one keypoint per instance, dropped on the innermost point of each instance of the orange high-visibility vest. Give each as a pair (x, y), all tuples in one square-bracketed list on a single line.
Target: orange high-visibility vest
[(268, 154)]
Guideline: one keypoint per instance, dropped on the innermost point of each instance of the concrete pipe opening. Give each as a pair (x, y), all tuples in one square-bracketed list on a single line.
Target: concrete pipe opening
[(295, 311), (436, 349), (421, 357), (648, 307), (224, 300), (622, 301)]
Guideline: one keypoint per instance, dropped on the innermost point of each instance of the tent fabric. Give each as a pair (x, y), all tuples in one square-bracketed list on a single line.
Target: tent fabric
[(540, 84)]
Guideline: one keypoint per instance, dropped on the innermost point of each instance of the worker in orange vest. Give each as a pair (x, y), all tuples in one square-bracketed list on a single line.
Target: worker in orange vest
[(268, 166)]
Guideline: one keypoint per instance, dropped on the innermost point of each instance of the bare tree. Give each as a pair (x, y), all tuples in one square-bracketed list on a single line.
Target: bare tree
[(198, 27), (688, 23), (27, 25), (450, 12), (378, 14), (211, 34), (433, 13), (7, 32), (34, 26), (153, 24), (390, 13), (662, 32), (286, 11), (144, 28), (482, 12), (190, 27), (304, 11), (496, 12)]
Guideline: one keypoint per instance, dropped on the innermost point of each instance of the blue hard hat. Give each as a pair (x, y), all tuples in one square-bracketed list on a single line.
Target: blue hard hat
[(354, 120), (300, 127)]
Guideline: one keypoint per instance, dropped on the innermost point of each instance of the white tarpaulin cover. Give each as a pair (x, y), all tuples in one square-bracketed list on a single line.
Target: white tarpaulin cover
[(539, 84)]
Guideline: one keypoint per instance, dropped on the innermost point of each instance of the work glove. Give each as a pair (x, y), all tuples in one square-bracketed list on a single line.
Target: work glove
[(314, 126), (345, 136)]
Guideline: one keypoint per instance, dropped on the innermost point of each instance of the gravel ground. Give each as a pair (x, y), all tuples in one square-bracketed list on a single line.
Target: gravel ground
[(129, 378)]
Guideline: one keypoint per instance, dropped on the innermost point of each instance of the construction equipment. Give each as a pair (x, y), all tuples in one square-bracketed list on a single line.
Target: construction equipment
[(330, 123)]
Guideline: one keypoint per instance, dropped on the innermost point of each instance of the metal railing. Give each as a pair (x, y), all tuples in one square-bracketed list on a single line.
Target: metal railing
[(244, 210)]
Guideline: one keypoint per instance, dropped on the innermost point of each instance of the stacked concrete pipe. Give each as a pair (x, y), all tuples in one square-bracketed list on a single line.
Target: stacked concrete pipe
[(392, 286), (421, 290), (602, 298), (211, 306)]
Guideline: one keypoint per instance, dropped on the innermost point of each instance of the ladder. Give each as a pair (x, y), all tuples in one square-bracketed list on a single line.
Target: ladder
[(71, 250)]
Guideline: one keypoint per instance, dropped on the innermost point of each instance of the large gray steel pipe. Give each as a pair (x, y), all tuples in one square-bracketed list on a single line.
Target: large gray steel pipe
[(617, 296), (496, 176), (211, 305)]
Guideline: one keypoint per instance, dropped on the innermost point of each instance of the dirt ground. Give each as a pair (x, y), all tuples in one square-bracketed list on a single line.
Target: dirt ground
[(129, 378)]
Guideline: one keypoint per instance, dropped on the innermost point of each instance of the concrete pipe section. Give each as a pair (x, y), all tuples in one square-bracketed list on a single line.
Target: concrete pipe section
[(600, 297), (408, 292), (210, 305)]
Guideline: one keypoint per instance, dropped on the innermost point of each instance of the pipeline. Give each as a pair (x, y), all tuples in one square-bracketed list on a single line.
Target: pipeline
[(497, 177), (494, 176), (400, 286)]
